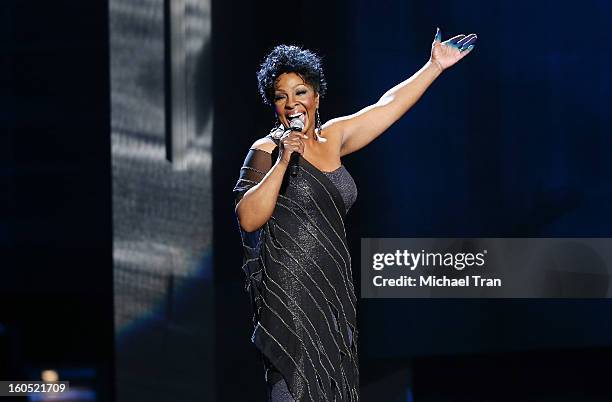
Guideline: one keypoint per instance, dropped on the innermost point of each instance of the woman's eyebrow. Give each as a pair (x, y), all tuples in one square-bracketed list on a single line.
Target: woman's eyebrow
[(282, 90)]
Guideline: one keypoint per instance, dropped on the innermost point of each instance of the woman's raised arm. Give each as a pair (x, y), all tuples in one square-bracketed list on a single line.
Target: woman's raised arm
[(361, 128)]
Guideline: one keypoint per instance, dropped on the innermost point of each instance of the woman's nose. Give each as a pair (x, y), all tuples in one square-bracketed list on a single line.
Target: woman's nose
[(290, 104)]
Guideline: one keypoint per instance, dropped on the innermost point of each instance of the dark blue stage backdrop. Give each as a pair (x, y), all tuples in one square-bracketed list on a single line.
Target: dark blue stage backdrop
[(511, 142)]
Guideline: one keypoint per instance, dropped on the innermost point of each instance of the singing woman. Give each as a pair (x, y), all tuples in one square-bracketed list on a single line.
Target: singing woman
[(291, 213)]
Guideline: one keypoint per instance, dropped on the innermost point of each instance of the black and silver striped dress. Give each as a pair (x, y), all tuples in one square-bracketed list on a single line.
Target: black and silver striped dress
[(299, 277)]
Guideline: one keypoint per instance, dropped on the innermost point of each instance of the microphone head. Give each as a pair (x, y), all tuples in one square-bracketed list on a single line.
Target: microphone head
[(296, 124)]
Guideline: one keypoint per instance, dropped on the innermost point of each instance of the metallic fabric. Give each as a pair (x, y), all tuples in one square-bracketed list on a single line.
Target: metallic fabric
[(343, 180), (280, 392), (298, 275)]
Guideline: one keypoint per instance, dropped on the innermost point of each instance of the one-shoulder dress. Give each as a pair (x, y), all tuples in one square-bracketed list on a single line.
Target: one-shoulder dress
[(299, 278)]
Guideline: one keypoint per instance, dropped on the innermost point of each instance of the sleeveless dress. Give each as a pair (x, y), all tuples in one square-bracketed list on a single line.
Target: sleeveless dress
[(299, 278)]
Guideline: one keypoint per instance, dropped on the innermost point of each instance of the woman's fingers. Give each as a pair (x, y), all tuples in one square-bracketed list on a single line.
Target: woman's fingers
[(294, 135), (297, 147), (293, 142), (453, 41), (299, 138), (438, 36), (467, 41)]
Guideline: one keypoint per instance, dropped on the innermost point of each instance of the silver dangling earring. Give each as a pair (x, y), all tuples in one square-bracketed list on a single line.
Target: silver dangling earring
[(318, 127)]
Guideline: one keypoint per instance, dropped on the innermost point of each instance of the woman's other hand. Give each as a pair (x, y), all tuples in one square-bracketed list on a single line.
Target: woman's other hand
[(445, 54), (290, 143)]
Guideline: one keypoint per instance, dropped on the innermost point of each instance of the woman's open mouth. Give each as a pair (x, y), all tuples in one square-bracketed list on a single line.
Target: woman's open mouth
[(300, 115)]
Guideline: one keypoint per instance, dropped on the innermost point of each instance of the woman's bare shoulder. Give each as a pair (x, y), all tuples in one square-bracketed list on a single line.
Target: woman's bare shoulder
[(265, 144)]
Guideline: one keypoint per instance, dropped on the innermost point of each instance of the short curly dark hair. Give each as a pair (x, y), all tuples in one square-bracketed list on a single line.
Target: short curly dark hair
[(290, 59)]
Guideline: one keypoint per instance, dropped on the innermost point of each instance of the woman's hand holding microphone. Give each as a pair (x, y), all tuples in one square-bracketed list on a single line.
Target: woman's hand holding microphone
[(257, 204), (292, 141)]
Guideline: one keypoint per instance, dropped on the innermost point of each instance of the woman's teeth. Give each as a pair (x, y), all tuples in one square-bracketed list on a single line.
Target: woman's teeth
[(301, 116)]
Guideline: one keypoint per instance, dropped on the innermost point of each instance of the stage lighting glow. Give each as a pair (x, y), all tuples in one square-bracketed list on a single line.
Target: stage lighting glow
[(49, 375)]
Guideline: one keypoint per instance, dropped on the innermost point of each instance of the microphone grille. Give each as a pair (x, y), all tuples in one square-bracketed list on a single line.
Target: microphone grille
[(296, 124)]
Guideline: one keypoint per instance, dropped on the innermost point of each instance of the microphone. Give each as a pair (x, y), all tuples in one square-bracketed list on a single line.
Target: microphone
[(295, 125)]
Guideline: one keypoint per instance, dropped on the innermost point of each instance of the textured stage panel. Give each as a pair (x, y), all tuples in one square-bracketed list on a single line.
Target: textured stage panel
[(162, 211)]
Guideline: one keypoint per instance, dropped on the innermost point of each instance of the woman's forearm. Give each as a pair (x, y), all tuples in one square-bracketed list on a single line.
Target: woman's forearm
[(257, 204), (404, 95)]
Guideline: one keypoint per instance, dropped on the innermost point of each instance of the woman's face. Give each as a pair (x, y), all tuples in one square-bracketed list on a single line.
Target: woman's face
[(294, 97)]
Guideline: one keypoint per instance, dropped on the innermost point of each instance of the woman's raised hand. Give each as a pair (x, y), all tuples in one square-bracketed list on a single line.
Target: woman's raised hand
[(447, 53), (291, 142)]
